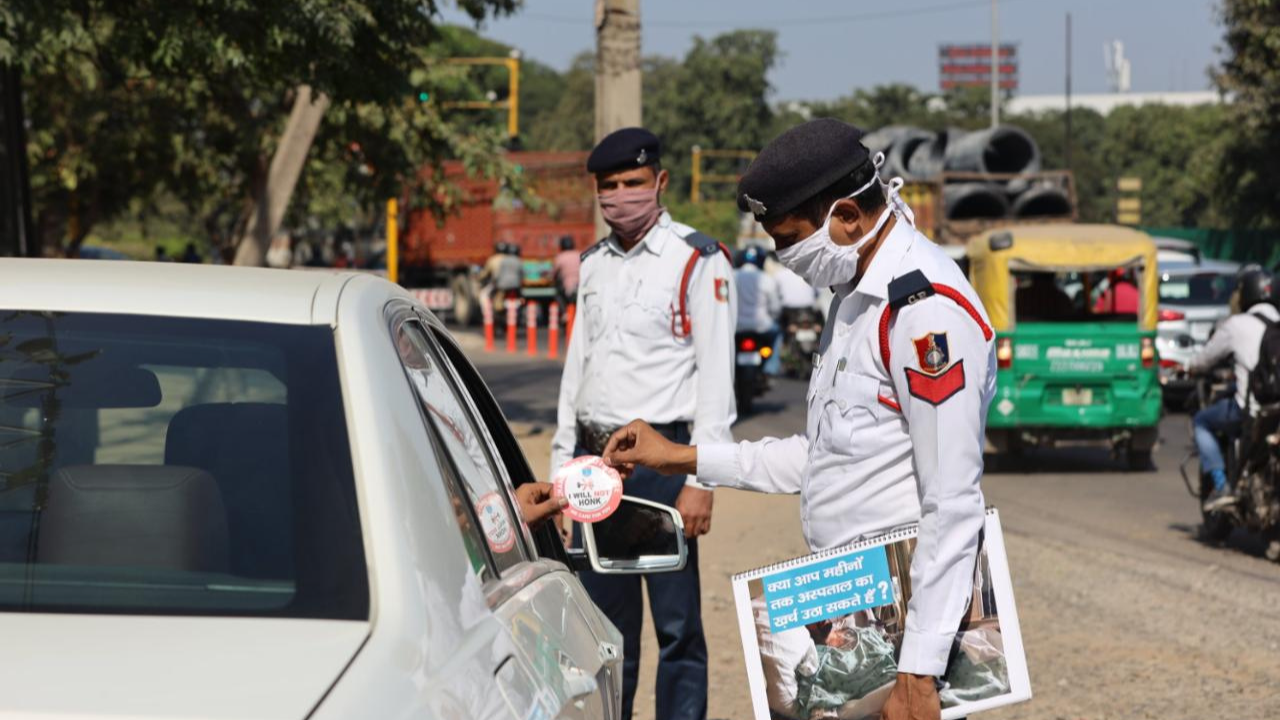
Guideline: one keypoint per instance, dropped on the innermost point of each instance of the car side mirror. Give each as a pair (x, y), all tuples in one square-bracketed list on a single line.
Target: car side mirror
[(641, 536)]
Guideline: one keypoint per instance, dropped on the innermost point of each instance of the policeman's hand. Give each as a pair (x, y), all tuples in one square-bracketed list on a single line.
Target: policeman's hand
[(914, 697), (638, 444), (537, 503), (694, 506)]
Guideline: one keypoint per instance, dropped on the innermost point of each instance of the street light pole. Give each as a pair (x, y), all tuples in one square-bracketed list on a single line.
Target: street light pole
[(995, 64)]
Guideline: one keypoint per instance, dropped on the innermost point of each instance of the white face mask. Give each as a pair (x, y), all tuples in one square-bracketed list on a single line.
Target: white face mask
[(819, 260)]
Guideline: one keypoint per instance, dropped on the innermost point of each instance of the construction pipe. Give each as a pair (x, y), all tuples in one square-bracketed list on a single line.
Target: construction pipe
[(898, 158), (929, 158), (974, 201), (1005, 149), (1042, 202)]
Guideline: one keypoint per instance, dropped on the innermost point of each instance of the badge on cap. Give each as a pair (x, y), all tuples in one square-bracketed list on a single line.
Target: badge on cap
[(642, 157), (593, 489), (757, 207)]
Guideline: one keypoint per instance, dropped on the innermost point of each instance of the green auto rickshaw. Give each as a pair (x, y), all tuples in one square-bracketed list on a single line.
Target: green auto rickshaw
[(1074, 308)]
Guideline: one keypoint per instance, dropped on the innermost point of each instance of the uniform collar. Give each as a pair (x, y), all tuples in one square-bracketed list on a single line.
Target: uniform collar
[(875, 283), (653, 241)]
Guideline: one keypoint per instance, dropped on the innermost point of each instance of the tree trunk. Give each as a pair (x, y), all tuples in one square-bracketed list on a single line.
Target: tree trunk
[(272, 200)]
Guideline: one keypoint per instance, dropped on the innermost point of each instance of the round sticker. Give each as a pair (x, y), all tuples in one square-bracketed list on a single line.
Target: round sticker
[(593, 489), (496, 523)]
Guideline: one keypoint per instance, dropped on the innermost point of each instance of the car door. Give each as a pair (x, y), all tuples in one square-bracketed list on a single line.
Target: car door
[(573, 654)]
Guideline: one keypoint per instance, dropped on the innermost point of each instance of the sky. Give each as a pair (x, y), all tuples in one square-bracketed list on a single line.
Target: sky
[(831, 47)]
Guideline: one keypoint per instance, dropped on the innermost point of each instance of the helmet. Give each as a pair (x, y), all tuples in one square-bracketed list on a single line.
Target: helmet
[(753, 255), (566, 242), (1254, 286)]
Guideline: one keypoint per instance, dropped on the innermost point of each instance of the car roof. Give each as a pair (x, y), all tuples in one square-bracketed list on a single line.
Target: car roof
[(1226, 267), (291, 297)]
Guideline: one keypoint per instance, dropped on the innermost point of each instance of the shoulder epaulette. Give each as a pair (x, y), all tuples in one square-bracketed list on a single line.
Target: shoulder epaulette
[(587, 253), (706, 246), (909, 289)]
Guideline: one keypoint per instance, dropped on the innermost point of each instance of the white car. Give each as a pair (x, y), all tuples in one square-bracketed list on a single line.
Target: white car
[(1194, 297), (244, 493)]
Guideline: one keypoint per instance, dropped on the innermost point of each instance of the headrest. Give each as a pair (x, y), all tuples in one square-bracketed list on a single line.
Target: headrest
[(155, 516), (90, 386)]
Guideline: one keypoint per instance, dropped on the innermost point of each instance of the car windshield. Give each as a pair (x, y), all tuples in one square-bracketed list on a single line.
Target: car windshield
[(1206, 288), (153, 465), (1071, 296)]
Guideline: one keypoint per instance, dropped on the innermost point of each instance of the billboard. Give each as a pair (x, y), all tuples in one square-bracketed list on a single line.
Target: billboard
[(970, 66)]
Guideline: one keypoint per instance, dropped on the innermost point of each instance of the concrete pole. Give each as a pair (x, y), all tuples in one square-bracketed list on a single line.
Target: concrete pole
[(617, 72), (995, 64)]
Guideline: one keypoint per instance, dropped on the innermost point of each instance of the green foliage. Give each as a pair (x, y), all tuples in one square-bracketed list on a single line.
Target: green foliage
[(188, 98), (717, 218), (570, 122), (1250, 73)]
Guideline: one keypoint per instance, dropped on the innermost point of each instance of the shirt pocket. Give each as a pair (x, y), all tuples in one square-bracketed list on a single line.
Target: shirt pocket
[(593, 311), (647, 312), (850, 412)]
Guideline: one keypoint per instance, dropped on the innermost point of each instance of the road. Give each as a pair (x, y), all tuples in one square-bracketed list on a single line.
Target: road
[(1125, 614)]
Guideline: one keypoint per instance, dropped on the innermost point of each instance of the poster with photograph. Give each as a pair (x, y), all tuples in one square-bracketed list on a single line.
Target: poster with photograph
[(821, 633)]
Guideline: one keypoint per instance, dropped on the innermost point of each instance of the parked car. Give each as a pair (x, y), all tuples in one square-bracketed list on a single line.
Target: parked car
[(1193, 298), (233, 492), (1176, 250)]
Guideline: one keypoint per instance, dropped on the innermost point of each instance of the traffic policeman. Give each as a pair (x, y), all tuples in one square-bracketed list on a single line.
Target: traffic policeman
[(898, 396), (653, 339)]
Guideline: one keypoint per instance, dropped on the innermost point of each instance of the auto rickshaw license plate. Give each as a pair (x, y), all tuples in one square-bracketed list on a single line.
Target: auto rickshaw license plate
[(1077, 396)]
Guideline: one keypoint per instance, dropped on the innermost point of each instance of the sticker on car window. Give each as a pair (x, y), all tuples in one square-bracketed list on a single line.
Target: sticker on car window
[(496, 523)]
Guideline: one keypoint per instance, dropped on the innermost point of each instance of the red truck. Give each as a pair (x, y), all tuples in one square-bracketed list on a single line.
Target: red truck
[(445, 258)]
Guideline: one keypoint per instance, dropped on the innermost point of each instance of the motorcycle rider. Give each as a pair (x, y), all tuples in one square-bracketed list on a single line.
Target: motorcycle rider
[(759, 302), (1240, 336)]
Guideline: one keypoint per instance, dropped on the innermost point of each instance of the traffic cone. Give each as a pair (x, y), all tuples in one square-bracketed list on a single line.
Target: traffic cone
[(569, 315), (553, 330), (486, 311), (511, 325), (531, 328)]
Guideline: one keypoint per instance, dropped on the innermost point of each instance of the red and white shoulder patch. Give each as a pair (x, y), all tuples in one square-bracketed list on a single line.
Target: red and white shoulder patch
[(722, 290), (938, 379)]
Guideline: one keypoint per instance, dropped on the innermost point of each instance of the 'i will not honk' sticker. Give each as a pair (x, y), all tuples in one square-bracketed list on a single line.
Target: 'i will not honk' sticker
[(593, 489)]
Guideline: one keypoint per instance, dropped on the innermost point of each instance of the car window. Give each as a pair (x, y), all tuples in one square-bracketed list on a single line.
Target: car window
[(1197, 289), (490, 507), (173, 466), (546, 538)]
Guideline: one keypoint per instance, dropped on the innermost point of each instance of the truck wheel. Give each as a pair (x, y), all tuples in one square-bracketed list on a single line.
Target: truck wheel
[(466, 308), (1139, 459)]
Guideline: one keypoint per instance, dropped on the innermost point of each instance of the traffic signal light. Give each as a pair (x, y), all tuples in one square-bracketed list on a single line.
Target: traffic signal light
[(424, 96)]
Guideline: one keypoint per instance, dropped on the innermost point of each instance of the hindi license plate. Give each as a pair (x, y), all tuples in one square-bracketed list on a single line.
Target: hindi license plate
[(1077, 396), (749, 358)]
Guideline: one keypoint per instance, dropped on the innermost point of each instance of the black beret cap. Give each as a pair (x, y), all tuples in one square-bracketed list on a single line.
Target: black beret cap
[(624, 149), (799, 164)]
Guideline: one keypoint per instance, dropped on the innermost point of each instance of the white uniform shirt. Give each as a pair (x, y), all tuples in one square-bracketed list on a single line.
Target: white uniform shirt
[(1239, 335), (625, 362), (864, 467), (796, 292), (759, 302)]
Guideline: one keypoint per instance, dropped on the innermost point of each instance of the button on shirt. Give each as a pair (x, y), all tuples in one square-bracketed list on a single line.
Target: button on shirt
[(1239, 335), (759, 303), (625, 361), (874, 456)]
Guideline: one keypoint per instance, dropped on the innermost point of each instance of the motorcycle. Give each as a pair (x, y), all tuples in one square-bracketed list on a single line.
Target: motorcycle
[(1252, 455), (749, 381), (802, 329)]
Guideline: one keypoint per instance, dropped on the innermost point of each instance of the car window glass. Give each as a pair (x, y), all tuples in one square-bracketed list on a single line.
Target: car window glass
[(546, 539), (465, 446)]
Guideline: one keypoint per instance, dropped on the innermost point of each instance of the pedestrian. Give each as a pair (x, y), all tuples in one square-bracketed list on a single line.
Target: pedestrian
[(565, 271), (898, 397), (759, 303), (510, 276), (489, 274), (191, 255), (162, 255), (654, 338)]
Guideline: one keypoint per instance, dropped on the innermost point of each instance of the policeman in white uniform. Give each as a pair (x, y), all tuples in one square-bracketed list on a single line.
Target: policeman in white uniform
[(897, 403), (653, 340)]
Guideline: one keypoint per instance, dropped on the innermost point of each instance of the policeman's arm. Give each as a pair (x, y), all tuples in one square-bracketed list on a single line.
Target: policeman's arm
[(566, 415), (944, 408), (713, 312), (1217, 348)]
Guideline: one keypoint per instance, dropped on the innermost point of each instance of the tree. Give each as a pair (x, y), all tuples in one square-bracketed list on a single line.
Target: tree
[(1250, 74), (194, 95)]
